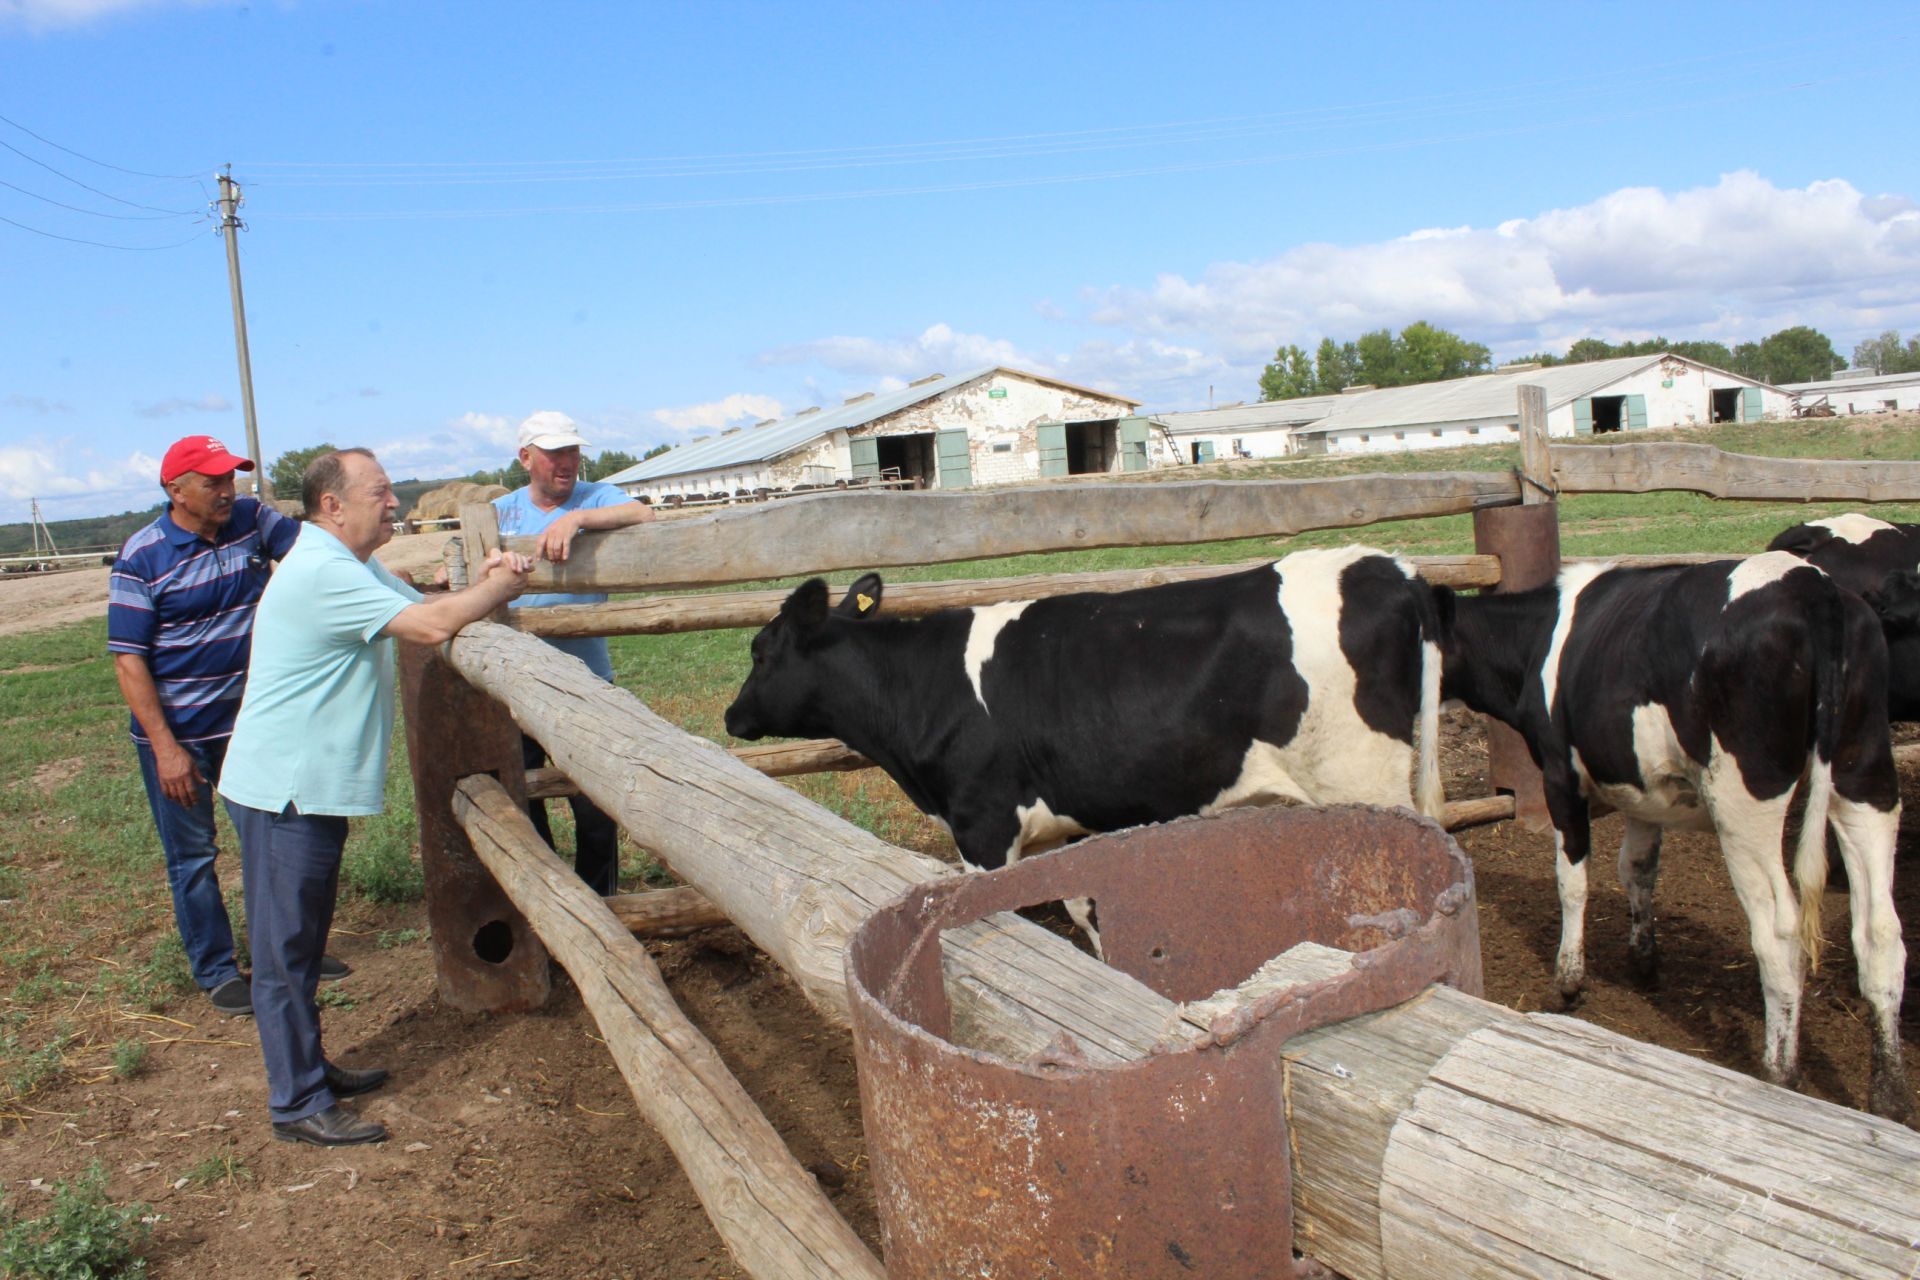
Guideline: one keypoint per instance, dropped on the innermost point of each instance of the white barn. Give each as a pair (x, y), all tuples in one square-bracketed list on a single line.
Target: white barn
[(1854, 391), (990, 426), (1632, 393)]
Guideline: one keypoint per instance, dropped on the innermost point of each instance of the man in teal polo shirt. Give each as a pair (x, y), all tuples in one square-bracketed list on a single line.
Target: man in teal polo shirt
[(555, 505), (309, 750)]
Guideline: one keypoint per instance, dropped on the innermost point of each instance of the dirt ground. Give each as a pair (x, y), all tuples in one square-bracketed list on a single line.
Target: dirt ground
[(516, 1150)]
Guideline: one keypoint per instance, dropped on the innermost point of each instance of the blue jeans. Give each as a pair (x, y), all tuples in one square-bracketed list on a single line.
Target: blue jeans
[(291, 865), (187, 838)]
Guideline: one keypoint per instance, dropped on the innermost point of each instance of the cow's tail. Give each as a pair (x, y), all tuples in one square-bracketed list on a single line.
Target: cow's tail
[(1429, 794), (1810, 855)]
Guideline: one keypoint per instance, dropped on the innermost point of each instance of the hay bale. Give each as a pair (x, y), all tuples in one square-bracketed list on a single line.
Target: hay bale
[(445, 502)]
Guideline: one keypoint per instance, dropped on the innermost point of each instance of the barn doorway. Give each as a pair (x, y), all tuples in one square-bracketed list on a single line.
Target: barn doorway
[(1726, 404), (1092, 447), (1608, 413), (908, 458)]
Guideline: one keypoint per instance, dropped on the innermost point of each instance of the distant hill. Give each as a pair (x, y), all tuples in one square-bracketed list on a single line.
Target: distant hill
[(111, 531)]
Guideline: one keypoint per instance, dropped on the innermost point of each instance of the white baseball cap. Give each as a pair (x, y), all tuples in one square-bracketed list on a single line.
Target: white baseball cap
[(550, 429)]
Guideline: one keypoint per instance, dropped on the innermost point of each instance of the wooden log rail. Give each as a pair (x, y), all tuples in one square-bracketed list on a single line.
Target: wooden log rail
[(770, 1212), (820, 533), (1446, 1136), (867, 530), (1734, 477)]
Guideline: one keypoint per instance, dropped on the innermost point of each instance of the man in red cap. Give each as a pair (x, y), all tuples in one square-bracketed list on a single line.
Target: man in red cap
[(180, 608)]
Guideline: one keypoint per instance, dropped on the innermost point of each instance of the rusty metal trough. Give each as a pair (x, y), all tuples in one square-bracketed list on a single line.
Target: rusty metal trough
[(1175, 1164)]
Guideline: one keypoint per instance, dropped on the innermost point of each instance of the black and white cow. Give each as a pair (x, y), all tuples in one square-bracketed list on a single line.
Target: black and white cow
[(1021, 725), (1863, 555), (1700, 697)]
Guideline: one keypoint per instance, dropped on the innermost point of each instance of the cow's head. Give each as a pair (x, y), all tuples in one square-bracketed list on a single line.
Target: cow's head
[(793, 685), (1897, 601)]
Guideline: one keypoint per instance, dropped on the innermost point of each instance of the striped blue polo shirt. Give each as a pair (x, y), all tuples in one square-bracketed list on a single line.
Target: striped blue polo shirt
[(186, 605)]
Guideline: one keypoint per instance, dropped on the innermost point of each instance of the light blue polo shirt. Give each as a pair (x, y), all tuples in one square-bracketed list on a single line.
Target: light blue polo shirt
[(520, 518), (316, 722)]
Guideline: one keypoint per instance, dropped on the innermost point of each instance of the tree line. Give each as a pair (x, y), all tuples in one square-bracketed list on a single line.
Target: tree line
[(288, 469), (1425, 353)]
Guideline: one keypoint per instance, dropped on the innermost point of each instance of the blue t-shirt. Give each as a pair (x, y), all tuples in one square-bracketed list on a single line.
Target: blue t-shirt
[(317, 719), (520, 518), (186, 606)]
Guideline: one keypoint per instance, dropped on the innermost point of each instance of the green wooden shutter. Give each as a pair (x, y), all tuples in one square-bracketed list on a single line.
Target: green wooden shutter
[(1133, 444), (1636, 413), (1749, 404), (956, 464), (866, 455), (1053, 448), (1203, 451), (1583, 416)]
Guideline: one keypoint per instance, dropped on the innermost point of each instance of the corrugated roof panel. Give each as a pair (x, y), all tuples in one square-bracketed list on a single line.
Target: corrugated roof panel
[(1487, 395)]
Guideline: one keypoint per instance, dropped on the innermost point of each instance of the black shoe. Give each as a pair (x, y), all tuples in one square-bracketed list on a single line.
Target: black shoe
[(332, 970), (334, 1127), (345, 1081), (234, 997)]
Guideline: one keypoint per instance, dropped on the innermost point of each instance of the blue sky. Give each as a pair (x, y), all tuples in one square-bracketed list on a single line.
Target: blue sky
[(666, 219)]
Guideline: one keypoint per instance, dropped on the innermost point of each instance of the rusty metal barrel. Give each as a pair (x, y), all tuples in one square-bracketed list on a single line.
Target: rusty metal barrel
[(1174, 1164)]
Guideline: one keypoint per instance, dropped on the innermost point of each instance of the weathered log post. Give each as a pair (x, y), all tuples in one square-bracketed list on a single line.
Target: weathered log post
[(1526, 538), (486, 957)]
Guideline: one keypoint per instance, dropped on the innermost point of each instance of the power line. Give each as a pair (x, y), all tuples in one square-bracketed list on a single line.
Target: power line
[(138, 173), (126, 217), (1675, 74), (1054, 179), (97, 191), (99, 244)]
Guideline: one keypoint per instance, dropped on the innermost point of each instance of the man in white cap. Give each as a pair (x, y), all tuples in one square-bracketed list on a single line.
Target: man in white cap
[(555, 505)]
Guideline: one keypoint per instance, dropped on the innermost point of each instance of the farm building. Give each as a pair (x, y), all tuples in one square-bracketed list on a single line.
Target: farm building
[(1632, 393), (990, 426), (1854, 391)]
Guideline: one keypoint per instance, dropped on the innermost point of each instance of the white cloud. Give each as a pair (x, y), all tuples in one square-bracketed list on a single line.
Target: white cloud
[(937, 349), (71, 480), (460, 446), (718, 413), (210, 403), (1735, 260)]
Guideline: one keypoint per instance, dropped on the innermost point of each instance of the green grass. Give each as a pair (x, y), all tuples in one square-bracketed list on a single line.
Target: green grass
[(82, 1235), (224, 1167)]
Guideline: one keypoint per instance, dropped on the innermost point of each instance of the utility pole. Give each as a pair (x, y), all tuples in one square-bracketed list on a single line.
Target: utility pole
[(230, 199)]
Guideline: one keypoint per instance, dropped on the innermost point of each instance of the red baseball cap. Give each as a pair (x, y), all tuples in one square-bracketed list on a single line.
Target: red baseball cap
[(200, 453)]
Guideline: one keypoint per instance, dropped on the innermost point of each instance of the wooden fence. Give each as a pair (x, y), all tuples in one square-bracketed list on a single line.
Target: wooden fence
[(1472, 1140)]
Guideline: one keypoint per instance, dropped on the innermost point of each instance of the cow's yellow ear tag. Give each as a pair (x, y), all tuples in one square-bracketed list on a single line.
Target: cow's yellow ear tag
[(864, 601)]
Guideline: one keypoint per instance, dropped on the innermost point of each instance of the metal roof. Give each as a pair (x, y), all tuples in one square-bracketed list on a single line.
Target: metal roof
[(1870, 381), (1486, 395), (1264, 416), (749, 445)]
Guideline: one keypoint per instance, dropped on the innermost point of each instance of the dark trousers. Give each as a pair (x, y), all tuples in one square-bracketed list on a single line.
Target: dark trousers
[(290, 862), (596, 837), (187, 839)]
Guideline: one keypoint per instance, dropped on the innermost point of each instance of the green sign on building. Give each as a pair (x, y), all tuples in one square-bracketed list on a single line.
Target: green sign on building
[(996, 393)]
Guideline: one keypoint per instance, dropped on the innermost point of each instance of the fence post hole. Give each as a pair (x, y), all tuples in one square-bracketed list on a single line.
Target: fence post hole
[(1526, 538), (486, 956)]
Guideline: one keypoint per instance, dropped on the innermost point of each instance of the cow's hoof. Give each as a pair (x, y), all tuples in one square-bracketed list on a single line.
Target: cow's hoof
[(1644, 968)]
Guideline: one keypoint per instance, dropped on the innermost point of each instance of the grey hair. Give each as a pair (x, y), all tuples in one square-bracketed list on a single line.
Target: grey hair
[(326, 474)]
